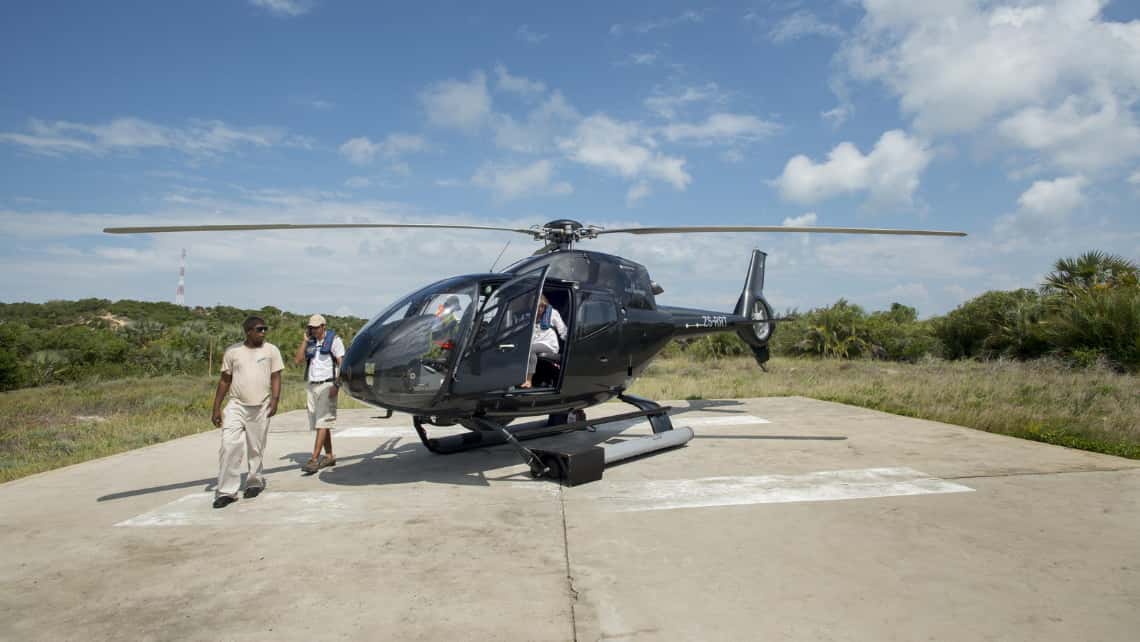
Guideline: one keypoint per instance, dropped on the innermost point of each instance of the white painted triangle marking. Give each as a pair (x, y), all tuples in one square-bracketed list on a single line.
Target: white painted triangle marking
[(626, 496)]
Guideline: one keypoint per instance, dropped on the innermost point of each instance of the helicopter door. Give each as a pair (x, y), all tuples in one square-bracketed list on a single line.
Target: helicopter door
[(497, 355)]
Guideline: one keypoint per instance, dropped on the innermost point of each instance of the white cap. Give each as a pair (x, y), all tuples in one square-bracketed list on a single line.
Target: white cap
[(316, 320)]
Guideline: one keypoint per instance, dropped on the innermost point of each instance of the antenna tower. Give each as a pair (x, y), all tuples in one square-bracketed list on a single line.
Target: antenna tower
[(180, 294)]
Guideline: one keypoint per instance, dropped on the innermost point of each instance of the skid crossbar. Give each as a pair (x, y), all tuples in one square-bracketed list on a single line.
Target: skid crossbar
[(570, 467)]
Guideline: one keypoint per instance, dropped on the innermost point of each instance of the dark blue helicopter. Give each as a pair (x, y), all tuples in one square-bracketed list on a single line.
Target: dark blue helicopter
[(459, 350)]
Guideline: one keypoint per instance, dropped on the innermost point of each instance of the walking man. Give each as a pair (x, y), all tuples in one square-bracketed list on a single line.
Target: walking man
[(321, 351), (251, 375)]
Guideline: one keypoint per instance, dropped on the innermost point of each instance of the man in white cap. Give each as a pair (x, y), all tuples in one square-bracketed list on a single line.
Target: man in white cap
[(321, 351)]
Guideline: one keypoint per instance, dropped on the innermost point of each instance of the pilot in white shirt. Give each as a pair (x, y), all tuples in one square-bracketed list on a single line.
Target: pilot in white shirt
[(548, 330)]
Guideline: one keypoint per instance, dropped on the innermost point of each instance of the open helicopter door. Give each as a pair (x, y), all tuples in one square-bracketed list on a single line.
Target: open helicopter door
[(496, 358)]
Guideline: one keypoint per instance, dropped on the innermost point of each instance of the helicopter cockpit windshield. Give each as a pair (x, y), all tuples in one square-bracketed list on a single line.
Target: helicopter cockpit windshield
[(406, 352)]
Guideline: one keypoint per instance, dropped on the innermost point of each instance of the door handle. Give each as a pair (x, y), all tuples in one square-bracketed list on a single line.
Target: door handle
[(503, 347), (604, 359)]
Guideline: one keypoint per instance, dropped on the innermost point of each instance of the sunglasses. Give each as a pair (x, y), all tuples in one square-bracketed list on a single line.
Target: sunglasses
[(261, 328)]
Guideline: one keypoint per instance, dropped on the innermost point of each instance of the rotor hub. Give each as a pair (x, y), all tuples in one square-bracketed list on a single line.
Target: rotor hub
[(563, 233)]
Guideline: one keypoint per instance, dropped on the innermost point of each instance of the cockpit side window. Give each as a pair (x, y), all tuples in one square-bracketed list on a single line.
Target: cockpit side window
[(595, 314), (502, 317), (638, 288)]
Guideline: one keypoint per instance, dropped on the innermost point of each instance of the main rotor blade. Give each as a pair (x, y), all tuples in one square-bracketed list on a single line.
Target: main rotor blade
[(156, 229), (776, 228)]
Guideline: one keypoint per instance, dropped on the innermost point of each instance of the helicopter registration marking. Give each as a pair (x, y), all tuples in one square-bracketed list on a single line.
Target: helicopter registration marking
[(708, 321)]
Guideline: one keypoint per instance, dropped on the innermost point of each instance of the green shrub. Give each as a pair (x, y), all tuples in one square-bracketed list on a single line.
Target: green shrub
[(1091, 270), (714, 346), (839, 330), (994, 324), (10, 374), (906, 341), (1100, 321)]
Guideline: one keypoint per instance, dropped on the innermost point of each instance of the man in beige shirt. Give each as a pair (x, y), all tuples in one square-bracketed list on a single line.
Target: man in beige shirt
[(251, 374)]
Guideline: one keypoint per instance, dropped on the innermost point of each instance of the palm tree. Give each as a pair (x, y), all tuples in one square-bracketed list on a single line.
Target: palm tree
[(1089, 271)]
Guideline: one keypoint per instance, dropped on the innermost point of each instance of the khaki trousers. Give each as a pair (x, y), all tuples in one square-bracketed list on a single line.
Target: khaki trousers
[(243, 428)]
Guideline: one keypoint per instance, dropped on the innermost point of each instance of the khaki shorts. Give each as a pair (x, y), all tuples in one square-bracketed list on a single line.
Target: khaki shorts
[(322, 410)]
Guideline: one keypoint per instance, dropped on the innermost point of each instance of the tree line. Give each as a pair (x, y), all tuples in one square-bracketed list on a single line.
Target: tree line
[(66, 341), (1087, 311)]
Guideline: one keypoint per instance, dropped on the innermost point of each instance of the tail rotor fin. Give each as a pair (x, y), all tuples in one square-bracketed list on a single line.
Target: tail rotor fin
[(754, 306)]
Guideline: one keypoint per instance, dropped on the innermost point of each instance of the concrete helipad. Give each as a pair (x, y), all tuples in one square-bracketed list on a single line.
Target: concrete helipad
[(785, 518)]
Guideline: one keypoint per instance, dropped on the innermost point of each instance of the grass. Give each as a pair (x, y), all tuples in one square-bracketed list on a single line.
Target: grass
[(1092, 409), (54, 426)]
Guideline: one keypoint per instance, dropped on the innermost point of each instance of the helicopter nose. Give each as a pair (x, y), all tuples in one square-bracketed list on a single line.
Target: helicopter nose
[(355, 371)]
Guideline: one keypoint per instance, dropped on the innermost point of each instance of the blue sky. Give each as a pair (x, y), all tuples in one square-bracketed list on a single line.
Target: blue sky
[(1015, 122)]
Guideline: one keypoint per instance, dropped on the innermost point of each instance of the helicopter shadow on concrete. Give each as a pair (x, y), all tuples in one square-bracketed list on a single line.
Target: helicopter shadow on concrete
[(407, 461), (402, 460)]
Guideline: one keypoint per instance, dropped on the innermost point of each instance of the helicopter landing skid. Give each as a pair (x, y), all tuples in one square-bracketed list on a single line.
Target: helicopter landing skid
[(572, 468)]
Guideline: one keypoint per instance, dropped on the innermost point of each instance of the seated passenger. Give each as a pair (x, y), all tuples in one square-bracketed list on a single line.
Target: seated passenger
[(548, 329), (444, 328), (449, 312)]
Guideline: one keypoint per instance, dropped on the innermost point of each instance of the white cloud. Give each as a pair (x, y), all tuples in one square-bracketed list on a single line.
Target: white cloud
[(800, 25), (513, 182), (643, 58), (220, 268), (916, 257), (314, 103), (1082, 133), (1059, 196), (732, 156), (525, 34), (358, 182), (637, 192), (622, 148), (362, 150), (1051, 72), (517, 84), (889, 173), (842, 112), (686, 17), (359, 150), (1044, 208), (837, 115), (911, 293), (397, 144), (538, 132), (457, 104), (285, 8), (800, 221), (721, 128), (668, 104), (1135, 178), (198, 138)]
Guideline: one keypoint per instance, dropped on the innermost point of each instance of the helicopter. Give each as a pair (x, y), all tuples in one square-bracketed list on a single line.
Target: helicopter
[(458, 351)]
